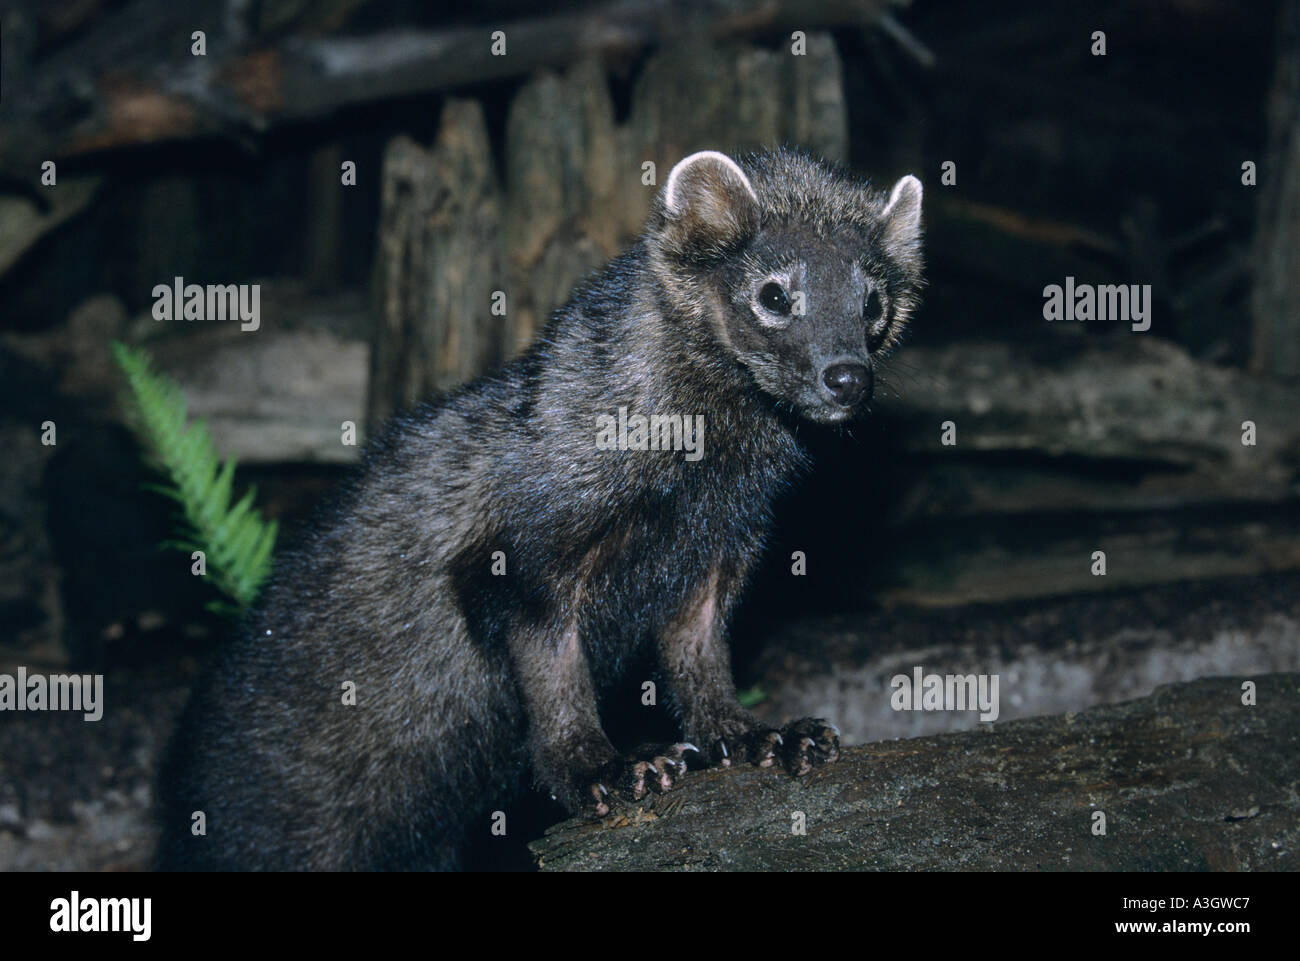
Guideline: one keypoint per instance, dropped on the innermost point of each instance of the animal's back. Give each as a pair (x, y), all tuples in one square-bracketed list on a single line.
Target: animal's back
[(352, 723)]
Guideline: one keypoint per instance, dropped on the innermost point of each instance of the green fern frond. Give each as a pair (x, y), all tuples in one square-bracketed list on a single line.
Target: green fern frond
[(237, 541), (751, 697)]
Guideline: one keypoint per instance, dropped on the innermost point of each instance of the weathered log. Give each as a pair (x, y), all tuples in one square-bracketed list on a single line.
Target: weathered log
[(129, 77), (1189, 778), (1003, 557), (1129, 399), (1053, 655), (566, 181), (439, 265), (1083, 445), (280, 394)]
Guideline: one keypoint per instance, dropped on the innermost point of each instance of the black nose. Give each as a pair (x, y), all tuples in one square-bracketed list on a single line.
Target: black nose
[(848, 383)]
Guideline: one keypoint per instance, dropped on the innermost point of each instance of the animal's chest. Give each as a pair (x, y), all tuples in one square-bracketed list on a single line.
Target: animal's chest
[(654, 554)]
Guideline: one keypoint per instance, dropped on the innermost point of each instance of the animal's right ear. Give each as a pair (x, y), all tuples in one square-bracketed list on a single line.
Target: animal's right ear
[(902, 214), (708, 207)]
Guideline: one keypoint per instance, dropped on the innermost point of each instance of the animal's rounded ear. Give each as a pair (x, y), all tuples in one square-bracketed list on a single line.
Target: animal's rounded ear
[(902, 216), (708, 207)]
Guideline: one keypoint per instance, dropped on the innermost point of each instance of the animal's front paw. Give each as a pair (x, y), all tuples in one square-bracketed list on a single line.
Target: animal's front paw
[(755, 745), (807, 743), (798, 746), (646, 769)]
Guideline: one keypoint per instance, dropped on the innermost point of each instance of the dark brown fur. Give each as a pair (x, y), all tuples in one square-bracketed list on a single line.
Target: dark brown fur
[(466, 680)]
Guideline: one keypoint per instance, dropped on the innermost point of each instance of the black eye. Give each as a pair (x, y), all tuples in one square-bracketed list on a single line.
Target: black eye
[(873, 308), (773, 298)]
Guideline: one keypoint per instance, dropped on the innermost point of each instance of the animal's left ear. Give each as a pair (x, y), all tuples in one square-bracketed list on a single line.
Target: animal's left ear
[(902, 216), (708, 206)]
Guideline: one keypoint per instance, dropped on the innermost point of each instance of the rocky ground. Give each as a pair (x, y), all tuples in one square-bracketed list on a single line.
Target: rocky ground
[(76, 795)]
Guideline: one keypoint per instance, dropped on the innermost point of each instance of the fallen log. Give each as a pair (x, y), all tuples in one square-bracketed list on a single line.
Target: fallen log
[(1188, 779), (129, 77), (1053, 654), (1134, 401)]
